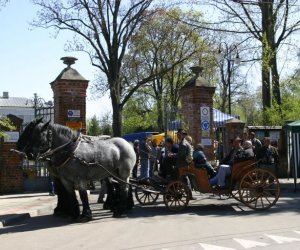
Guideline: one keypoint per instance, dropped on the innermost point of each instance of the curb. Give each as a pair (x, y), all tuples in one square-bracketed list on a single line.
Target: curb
[(10, 220)]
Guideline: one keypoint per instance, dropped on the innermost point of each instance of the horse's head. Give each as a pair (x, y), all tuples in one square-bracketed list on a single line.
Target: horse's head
[(34, 139)]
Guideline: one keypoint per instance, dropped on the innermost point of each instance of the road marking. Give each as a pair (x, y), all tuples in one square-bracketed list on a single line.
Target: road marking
[(213, 247), (297, 232), (250, 243), (281, 239)]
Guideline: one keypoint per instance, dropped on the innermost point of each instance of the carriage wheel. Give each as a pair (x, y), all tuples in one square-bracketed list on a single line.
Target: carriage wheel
[(145, 197), (259, 189), (176, 196), (235, 193)]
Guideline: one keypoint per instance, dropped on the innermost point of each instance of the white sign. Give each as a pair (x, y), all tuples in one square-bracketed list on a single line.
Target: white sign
[(206, 142), (205, 114), (11, 137), (73, 113), (205, 120)]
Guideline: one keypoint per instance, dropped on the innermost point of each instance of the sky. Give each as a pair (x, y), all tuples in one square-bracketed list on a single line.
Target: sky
[(30, 58)]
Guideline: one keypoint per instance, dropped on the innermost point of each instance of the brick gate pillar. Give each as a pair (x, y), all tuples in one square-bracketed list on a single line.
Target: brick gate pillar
[(197, 111), (233, 128), (69, 90), (11, 173)]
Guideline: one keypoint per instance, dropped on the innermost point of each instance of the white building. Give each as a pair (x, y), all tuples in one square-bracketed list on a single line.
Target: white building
[(19, 106)]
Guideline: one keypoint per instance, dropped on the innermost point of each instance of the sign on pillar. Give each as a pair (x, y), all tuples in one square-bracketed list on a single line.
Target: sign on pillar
[(205, 126)]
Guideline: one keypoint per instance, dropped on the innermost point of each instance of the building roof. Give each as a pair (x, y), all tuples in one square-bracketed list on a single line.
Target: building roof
[(16, 102)]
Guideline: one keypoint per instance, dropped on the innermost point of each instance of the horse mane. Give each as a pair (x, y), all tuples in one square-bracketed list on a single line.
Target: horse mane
[(63, 130)]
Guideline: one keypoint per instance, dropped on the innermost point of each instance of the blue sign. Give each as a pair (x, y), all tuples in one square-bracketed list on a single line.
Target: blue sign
[(70, 113), (205, 125), (74, 113)]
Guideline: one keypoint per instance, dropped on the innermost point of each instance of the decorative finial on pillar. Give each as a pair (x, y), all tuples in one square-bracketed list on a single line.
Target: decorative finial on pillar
[(199, 80), (69, 60), (197, 70)]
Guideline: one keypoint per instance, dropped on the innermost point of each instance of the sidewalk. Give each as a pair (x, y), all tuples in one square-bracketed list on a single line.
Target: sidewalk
[(16, 207)]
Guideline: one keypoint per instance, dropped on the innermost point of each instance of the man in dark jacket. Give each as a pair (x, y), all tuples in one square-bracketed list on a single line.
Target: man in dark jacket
[(268, 156), (168, 158), (184, 156), (256, 143)]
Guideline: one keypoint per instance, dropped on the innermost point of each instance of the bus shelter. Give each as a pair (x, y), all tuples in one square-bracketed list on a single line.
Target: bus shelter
[(293, 148)]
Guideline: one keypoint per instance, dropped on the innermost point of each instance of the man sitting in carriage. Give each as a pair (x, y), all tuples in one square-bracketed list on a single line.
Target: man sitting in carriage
[(237, 154), (201, 161), (168, 159)]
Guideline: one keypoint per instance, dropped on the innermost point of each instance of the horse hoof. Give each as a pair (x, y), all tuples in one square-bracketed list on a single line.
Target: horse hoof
[(84, 219), (60, 214), (106, 206), (117, 215)]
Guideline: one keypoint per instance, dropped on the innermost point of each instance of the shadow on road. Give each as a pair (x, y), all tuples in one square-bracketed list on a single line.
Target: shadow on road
[(203, 206)]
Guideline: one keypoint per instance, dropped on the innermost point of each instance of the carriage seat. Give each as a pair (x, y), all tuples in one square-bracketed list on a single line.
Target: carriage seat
[(239, 169), (198, 176)]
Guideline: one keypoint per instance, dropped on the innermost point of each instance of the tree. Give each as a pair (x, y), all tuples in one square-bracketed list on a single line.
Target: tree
[(93, 127), (164, 42), (140, 114), (102, 29), (5, 125), (106, 124), (290, 108), (100, 126), (3, 2), (270, 22)]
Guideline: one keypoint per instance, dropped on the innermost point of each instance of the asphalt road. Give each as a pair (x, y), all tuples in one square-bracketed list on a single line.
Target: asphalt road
[(207, 224)]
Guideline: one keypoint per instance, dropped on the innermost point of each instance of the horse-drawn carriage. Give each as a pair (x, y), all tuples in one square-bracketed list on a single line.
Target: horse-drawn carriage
[(74, 160), (255, 187)]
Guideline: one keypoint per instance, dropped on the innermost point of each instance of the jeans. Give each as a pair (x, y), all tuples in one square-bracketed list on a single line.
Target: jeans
[(224, 170), (145, 168)]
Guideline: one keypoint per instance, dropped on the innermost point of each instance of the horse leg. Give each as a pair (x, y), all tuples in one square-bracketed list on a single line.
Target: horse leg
[(110, 201), (61, 209), (130, 202), (73, 206), (86, 214), (124, 199)]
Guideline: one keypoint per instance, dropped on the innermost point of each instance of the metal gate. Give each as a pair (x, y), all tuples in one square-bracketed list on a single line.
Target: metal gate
[(36, 173)]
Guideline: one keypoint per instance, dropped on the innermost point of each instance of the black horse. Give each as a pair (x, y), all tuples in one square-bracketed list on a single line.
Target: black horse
[(74, 160)]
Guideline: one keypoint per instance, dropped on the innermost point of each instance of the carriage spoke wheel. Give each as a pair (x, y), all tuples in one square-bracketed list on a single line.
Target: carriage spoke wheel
[(176, 196), (145, 197), (235, 192), (259, 189)]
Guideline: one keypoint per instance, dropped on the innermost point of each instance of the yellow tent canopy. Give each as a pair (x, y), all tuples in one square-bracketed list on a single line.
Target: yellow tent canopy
[(161, 137)]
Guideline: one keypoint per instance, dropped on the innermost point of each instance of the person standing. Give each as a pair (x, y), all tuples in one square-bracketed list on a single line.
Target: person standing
[(185, 150), (268, 156), (154, 157), (136, 147), (184, 156), (256, 143), (144, 158)]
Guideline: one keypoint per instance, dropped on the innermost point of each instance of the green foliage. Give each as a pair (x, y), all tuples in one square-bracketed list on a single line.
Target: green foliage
[(5, 125), (93, 126), (139, 115), (100, 126), (248, 110)]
